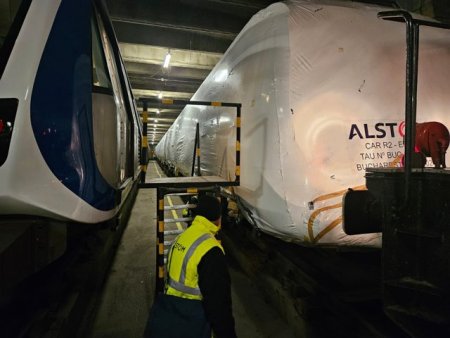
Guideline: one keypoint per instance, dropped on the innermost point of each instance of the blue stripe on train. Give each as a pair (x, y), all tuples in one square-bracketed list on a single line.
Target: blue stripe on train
[(61, 106)]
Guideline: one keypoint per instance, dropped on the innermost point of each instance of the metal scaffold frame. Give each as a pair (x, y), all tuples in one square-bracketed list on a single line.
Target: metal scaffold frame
[(183, 185)]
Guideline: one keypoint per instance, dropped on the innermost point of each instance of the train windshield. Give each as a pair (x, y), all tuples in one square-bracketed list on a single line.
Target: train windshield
[(12, 13)]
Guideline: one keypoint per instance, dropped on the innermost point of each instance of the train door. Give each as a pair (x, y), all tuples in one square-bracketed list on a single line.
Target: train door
[(113, 127), (135, 135)]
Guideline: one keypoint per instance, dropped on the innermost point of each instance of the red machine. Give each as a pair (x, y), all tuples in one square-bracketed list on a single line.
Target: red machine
[(432, 139)]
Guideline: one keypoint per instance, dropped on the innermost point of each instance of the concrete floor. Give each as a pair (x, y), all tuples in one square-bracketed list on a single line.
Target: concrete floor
[(129, 288)]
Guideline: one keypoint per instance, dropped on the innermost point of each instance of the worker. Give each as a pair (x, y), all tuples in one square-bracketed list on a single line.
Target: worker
[(197, 296)]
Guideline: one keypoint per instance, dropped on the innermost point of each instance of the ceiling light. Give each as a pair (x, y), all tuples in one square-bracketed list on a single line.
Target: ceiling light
[(167, 60), (157, 111), (156, 120), (160, 95)]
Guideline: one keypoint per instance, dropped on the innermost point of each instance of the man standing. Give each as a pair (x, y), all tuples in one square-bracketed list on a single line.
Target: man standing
[(198, 282)]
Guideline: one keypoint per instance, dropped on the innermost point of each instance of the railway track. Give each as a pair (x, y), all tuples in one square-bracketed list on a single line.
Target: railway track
[(329, 292), (59, 301)]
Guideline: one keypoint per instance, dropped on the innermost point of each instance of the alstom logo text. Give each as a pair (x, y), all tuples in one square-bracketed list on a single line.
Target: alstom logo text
[(378, 130)]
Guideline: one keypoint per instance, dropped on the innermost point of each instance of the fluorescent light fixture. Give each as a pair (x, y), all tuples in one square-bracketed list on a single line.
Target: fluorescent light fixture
[(160, 95), (157, 111), (167, 60), (156, 120)]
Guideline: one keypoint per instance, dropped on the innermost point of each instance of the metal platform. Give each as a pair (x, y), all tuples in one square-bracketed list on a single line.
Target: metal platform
[(191, 185), (427, 170), (188, 182)]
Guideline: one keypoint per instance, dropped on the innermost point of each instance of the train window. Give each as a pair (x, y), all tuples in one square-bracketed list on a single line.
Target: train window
[(100, 77), (133, 125), (8, 11), (123, 123), (12, 14), (8, 109)]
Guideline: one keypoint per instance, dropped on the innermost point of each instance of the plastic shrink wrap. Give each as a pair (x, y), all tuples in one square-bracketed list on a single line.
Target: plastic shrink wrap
[(322, 87)]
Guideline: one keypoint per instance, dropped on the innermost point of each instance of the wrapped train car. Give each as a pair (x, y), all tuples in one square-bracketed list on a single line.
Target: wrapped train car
[(322, 87), (69, 129)]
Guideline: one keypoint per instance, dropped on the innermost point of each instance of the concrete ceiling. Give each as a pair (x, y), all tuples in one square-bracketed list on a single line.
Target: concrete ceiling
[(196, 33)]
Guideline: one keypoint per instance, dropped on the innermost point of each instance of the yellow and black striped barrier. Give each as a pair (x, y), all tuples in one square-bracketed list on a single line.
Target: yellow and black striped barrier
[(238, 144), (144, 143), (160, 242)]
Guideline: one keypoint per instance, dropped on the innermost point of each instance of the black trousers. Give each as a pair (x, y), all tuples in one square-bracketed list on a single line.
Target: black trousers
[(175, 317)]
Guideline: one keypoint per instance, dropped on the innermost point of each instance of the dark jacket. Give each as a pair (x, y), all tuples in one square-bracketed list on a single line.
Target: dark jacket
[(215, 285)]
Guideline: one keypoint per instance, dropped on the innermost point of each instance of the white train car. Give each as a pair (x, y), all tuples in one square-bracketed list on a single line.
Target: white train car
[(322, 87), (69, 129)]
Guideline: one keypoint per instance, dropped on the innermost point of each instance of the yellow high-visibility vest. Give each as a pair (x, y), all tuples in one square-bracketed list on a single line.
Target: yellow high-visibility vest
[(185, 254)]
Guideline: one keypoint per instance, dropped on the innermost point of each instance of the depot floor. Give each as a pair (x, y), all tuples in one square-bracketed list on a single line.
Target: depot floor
[(129, 288)]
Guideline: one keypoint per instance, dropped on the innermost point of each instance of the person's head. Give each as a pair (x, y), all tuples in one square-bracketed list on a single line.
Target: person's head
[(210, 208)]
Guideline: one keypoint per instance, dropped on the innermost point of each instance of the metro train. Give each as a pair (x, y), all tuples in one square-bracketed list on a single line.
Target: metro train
[(69, 129), (322, 87)]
